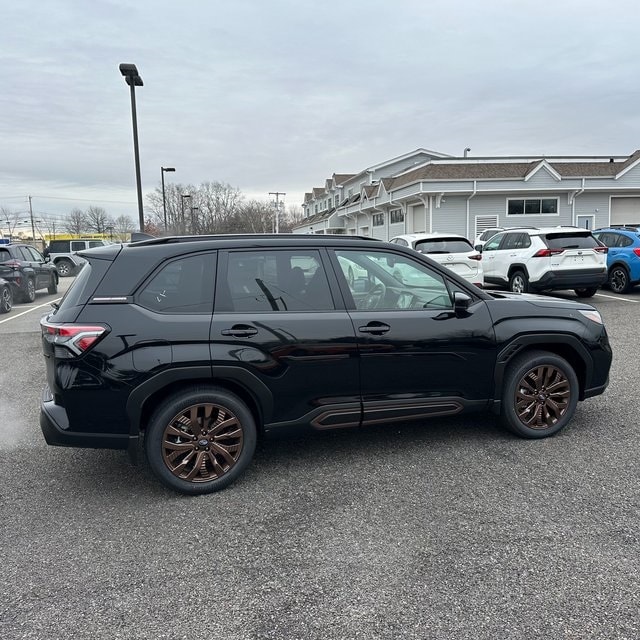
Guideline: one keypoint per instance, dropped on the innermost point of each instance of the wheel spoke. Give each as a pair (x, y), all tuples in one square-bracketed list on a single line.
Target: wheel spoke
[(229, 422), (224, 452), (197, 466)]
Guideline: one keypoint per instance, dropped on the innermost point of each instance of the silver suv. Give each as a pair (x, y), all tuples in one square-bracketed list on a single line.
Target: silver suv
[(548, 259), (63, 253)]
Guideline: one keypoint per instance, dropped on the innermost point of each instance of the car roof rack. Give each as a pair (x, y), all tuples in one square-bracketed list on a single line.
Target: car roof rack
[(151, 240)]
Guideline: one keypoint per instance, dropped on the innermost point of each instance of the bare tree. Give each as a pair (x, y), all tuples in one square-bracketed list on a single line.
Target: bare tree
[(76, 223), (252, 217), (9, 220), (97, 219), (123, 226)]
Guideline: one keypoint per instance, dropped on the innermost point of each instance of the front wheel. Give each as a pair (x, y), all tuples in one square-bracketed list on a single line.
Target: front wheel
[(540, 394), (30, 294), (586, 292), (200, 440), (65, 267), (53, 284), (619, 280), (6, 299)]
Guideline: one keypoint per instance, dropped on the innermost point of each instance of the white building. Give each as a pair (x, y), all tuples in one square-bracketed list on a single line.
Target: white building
[(426, 191)]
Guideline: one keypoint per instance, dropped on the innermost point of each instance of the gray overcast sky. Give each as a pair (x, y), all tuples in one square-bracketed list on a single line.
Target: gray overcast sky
[(278, 94)]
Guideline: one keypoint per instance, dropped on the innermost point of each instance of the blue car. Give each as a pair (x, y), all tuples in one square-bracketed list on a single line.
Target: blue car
[(623, 257)]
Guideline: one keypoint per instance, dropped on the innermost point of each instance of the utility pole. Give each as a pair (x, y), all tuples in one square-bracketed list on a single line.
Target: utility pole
[(33, 228), (277, 194)]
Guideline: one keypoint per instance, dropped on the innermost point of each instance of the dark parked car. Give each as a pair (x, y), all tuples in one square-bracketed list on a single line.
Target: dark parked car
[(195, 346), (27, 270), (6, 296)]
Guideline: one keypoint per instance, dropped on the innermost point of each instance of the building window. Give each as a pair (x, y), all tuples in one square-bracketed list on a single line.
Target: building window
[(377, 219), (337, 200), (532, 206), (395, 216), (316, 208)]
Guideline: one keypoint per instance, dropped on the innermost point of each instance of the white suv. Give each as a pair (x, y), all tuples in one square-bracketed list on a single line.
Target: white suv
[(448, 249), (549, 259)]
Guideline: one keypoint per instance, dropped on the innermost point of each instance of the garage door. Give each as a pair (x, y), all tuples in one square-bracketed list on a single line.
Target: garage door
[(625, 210)]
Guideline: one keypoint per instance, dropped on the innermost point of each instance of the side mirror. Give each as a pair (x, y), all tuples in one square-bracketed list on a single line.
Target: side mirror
[(478, 247), (47, 259), (461, 302)]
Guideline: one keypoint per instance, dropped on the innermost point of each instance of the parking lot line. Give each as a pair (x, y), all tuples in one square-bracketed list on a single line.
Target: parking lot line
[(46, 304), (604, 295)]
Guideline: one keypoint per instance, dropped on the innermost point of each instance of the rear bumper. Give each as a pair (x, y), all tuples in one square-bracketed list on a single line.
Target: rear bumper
[(54, 423), (571, 279)]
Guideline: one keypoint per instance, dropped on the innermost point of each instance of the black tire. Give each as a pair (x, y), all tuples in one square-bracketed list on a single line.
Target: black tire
[(65, 267), (29, 295), (53, 284), (518, 282), (540, 394), (619, 279), (194, 461), (6, 298), (586, 292)]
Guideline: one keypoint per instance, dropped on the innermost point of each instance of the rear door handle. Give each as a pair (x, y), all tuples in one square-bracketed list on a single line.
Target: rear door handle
[(376, 328), (240, 331)]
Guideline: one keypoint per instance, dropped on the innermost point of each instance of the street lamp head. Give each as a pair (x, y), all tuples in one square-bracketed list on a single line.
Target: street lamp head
[(127, 69), (186, 195), (167, 168)]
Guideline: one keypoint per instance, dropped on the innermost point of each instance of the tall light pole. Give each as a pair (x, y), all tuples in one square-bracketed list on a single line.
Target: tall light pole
[(133, 79), (164, 200), (194, 215), (277, 194), (182, 197)]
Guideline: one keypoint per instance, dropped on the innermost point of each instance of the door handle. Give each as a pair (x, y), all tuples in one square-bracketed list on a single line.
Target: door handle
[(375, 328), (240, 331)]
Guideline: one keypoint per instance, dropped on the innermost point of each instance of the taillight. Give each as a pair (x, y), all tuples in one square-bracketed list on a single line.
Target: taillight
[(14, 264), (601, 249), (475, 256), (637, 251), (78, 338), (547, 253)]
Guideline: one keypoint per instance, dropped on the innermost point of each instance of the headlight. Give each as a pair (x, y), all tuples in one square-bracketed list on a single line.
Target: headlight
[(592, 314)]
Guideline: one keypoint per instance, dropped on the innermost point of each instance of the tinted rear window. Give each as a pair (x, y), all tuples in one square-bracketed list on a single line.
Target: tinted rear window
[(444, 245), (4, 255), (84, 285), (570, 240)]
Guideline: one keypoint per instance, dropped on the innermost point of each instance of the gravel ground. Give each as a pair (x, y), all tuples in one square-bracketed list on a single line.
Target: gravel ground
[(448, 529)]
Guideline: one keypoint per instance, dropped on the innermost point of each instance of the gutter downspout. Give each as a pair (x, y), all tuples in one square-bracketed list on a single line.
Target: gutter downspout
[(475, 190), (573, 202)]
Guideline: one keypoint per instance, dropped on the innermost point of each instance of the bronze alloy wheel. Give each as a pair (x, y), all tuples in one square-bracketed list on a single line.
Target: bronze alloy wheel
[(542, 397), (202, 443)]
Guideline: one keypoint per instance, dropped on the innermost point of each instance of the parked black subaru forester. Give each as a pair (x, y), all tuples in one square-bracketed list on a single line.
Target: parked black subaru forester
[(193, 346)]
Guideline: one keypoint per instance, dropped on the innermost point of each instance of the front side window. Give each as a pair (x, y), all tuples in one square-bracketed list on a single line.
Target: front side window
[(494, 243), (276, 281), (392, 282), (184, 285), (532, 206)]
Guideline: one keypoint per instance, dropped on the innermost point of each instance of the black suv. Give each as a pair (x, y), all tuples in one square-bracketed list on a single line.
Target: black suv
[(27, 271), (192, 347)]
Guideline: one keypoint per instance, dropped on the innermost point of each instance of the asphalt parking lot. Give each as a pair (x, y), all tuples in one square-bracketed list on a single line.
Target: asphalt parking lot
[(445, 529)]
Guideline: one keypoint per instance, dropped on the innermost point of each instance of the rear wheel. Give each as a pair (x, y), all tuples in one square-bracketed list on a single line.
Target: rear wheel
[(518, 282), (6, 298), (587, 292), (200, 440), (540, 394), (619, 280)]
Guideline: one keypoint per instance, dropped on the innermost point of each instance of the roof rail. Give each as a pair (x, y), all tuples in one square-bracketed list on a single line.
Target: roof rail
[(250, 236)]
